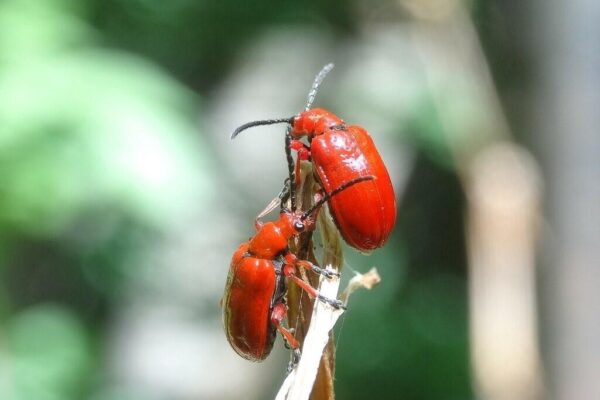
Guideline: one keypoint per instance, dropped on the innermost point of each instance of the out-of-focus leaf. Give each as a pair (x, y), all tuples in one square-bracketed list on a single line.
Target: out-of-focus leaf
[(48, 355), (96, 128), (83, 128), (32, 30)]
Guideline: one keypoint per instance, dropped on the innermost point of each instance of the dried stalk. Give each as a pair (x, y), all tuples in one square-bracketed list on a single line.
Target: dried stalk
[(313, 376)]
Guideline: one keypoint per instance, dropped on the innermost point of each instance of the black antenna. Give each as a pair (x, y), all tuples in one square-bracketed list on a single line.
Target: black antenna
[(333, 193), (290, 163), (258, 123), (284, 195), (316, 83)]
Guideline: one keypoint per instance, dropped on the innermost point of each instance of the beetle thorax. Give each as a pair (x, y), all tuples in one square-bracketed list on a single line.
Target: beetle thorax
[(268, 242), (314, 122)]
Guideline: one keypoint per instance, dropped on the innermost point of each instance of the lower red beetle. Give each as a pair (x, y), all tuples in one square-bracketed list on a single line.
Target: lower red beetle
[(253, 304), (365, 216)]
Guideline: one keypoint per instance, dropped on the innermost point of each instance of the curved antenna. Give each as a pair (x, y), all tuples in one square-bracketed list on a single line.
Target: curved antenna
[(333, 193), (316, 83), (259, 123)]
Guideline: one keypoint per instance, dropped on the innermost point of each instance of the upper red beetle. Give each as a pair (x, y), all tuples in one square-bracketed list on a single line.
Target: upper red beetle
[(365, 215)]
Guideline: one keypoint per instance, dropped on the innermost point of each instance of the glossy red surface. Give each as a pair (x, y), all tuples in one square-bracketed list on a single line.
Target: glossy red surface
[(247, 305), (252, 288), (272, 238), (314, 122), (366, 214)]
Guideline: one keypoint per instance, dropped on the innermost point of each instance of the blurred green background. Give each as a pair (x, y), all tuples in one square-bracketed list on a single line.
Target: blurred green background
[(122, 198)]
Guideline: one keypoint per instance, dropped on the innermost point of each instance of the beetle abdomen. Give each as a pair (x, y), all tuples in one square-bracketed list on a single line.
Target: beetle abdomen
[(365, 215), (247, 307)]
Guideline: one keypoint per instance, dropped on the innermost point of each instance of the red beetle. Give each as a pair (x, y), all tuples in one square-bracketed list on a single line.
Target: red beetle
[(365, 215), (253, 304)]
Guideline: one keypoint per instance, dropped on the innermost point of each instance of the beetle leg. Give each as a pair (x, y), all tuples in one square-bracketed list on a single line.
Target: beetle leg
[(291, 259), (301, 148), (303, 155), (297, 173), (288, 271), (335, 303), (325, 272), (277, 315)]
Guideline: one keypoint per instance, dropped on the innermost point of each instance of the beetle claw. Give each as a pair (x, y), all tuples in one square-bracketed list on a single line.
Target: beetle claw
[(335, 303), (332, 274), (294, 361), (339, 305), (327, 273)]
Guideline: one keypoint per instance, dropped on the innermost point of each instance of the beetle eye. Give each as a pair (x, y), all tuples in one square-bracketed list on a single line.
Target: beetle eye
[(299, 226)]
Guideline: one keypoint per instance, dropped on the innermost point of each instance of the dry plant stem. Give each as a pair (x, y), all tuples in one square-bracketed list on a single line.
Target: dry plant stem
[(504, 202), (300, 305), (313, 376), (302, 378), (315, 370), (299, 383), (332, 259), (502, 245)]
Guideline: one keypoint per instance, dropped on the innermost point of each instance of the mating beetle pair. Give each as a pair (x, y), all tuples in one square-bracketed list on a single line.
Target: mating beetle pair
[(361, 200)]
